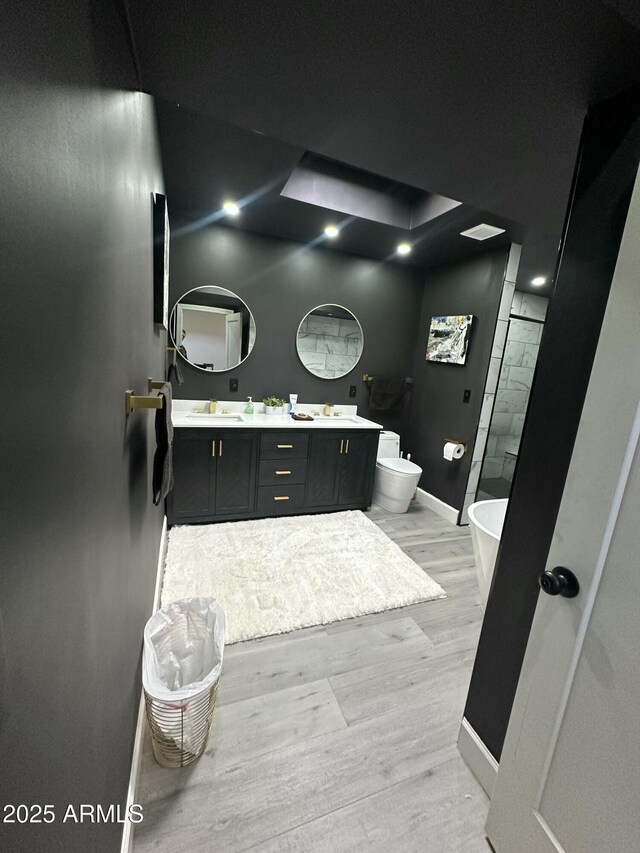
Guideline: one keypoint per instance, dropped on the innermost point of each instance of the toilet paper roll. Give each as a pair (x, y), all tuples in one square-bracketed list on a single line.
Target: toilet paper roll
[(453, 450)]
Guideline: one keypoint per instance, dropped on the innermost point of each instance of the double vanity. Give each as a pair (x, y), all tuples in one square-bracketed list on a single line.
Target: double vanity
[(236, 466), (229, 465)]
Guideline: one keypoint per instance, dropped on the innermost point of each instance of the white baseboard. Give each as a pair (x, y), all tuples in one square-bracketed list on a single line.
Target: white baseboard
[(162, 553), (477, 757), (449, 512), (127, 830)]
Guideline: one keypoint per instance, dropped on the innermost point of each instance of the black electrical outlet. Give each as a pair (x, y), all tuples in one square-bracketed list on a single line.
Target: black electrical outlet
[(233, 385), (467, 395), (352, 390)]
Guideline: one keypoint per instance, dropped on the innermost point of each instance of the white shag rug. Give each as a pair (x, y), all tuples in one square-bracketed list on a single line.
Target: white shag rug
[(274, 575)]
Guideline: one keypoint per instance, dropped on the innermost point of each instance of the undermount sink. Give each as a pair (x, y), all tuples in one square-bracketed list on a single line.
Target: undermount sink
[(216, 418), (338, 419)]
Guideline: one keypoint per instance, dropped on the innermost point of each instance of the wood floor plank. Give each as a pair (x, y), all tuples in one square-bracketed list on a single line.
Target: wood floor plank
[(286, 665), (252, 801), (431, 558), (436, 623), (438, 811), (436, 686), (261, 725), (440, 538), (455, 580), (415, 611), (262, 644)]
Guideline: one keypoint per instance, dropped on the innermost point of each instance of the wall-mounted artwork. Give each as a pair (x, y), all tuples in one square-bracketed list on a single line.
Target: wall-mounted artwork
[(160, 261), (449, 338)]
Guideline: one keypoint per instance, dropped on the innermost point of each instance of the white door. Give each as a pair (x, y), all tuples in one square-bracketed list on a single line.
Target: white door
[(569, 777), (234, 339)]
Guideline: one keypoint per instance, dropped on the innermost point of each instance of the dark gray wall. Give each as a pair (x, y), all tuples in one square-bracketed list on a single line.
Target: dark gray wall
[(438, 413), (80, 536), (281, 281), (607, 169)]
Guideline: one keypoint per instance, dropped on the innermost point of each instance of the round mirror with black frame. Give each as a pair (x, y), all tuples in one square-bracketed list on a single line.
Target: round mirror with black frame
[(329, 341), (212, 328)]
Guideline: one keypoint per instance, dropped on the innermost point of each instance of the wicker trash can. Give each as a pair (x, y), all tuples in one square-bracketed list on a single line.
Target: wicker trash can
[(182, 661)]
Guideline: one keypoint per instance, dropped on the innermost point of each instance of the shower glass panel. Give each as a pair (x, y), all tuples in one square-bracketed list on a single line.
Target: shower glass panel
[(512, 398)]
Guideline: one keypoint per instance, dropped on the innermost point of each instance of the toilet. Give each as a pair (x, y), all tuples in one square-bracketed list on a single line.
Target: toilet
[(396, 479)]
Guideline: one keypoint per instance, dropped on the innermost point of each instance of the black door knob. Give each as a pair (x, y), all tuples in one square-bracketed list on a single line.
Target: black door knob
[(559, 581)]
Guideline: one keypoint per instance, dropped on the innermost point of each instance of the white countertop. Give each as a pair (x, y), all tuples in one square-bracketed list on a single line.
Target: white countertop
[(230, 415)]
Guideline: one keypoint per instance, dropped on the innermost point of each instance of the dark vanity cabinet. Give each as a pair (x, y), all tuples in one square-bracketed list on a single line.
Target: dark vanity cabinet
[(357, 468), (341, 467), (256, 473), (214, 474), (325, 464)]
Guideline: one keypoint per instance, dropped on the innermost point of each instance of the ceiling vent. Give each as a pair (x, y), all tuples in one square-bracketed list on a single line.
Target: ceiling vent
[(482, 232)]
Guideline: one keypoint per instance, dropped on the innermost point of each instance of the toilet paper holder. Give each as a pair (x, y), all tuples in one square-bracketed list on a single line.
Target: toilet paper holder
[(456, 441)]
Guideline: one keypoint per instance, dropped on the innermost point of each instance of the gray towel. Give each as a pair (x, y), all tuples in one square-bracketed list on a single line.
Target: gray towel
[(175, 372), (163, 459)]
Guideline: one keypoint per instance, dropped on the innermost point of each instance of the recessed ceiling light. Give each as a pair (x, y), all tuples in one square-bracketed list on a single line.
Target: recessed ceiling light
[(231, 208), (332, 231), (403, 248), (539, 280), (482, 231)]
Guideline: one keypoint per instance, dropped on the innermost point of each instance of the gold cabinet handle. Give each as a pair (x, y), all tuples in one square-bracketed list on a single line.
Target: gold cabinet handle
[(281, 498), (341, 444), (285, 446), (346, 450), (213, 447), (283, 472), (220, 448)]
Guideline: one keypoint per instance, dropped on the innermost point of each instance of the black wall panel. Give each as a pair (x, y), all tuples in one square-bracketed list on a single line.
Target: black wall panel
[(281, 281), (79, 533), (438, 414)]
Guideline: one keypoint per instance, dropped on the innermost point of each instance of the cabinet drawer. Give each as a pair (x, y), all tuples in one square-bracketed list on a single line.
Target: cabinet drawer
[(275, 500), (282, 472), (284, 445)]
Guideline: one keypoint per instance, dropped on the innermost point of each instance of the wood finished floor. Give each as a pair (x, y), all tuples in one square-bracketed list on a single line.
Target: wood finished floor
[(340, 737)]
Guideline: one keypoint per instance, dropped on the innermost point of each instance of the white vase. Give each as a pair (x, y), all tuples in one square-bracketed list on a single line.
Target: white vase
[(274, 410)]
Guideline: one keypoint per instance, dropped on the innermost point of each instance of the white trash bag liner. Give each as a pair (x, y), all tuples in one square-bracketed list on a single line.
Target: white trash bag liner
[(182, 657)]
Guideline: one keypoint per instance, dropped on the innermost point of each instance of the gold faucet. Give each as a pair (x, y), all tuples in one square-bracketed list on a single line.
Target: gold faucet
[(327, 410), (212, 407)]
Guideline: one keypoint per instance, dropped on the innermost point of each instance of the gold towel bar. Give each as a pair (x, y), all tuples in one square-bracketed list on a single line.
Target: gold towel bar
[(132, 402), (367, 377), (457, 441), (154, 384)]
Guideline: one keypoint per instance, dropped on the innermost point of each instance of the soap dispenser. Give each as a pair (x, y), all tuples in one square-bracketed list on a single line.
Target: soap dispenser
[(248, 409)]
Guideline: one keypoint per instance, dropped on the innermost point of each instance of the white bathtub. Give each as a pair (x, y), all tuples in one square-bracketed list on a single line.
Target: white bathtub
[(485, 520)]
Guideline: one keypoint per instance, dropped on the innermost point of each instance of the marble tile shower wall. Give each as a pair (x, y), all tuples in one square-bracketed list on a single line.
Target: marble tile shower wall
[(506, 394), (512, 397), (329, 346)]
